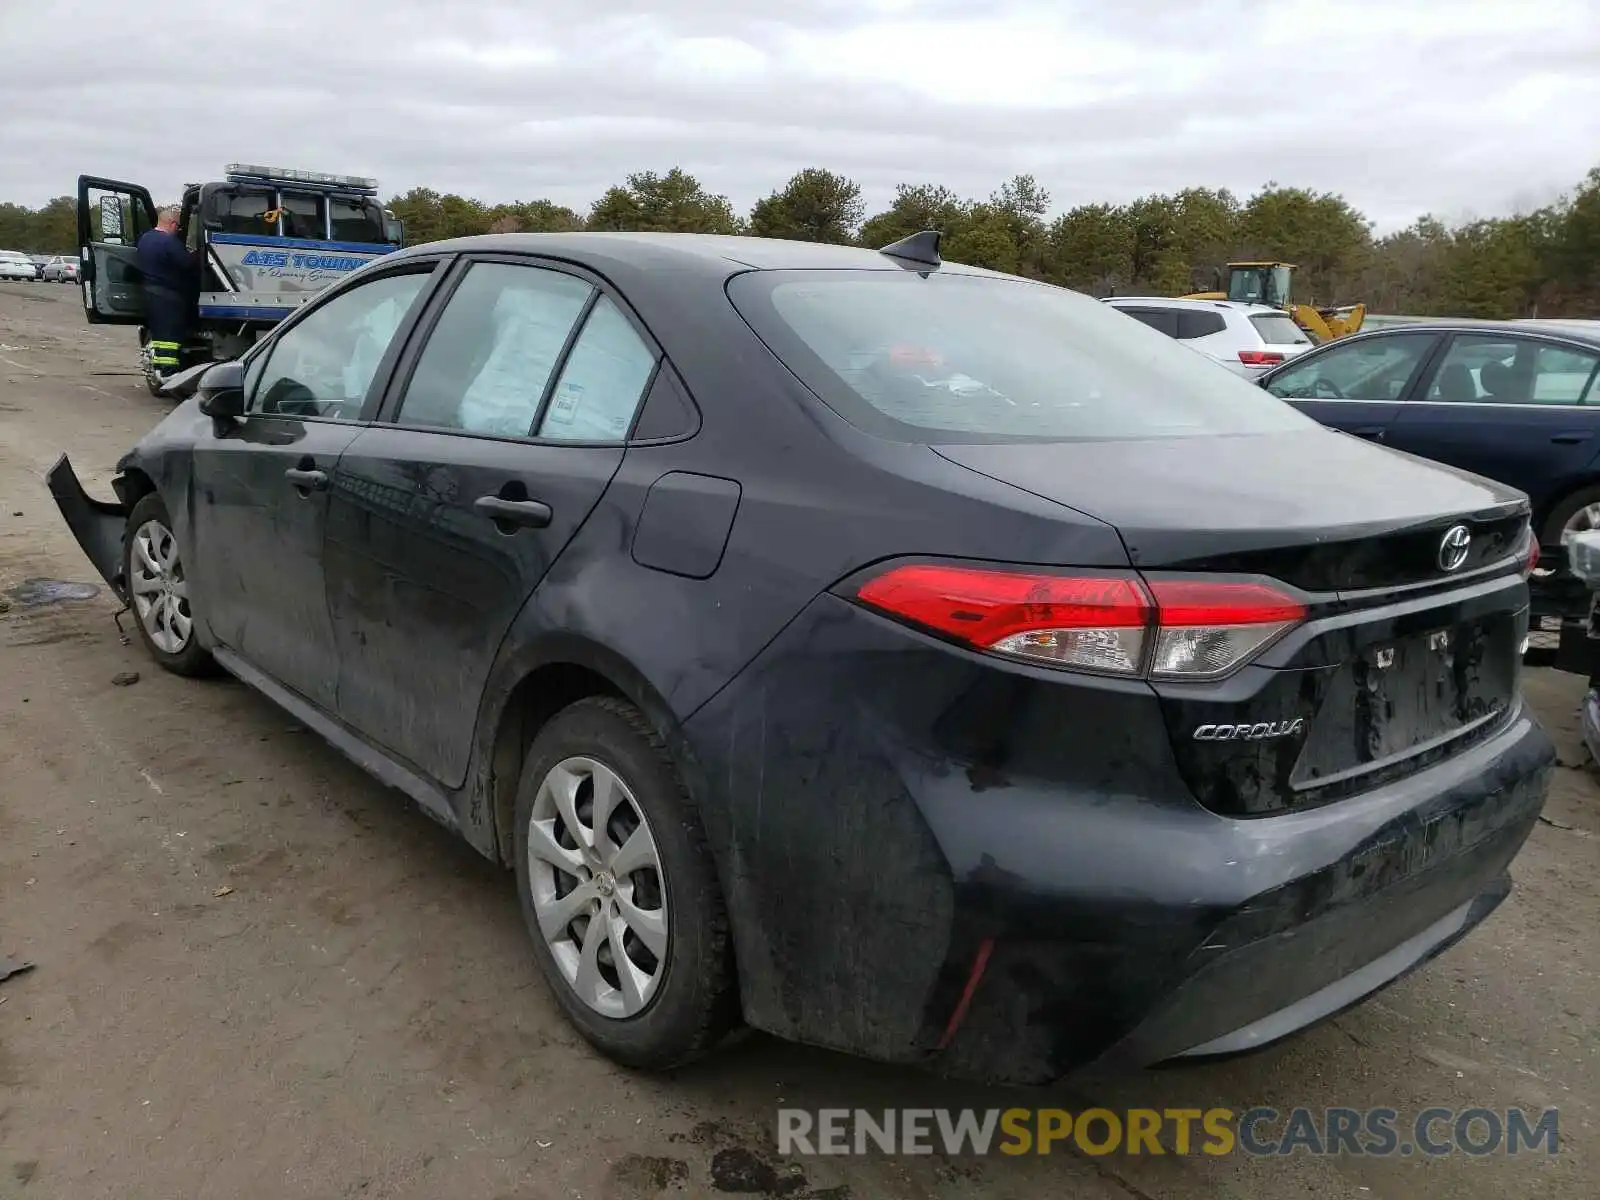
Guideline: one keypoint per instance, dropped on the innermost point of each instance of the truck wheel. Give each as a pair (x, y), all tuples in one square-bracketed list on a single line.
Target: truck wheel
[(158, 590), (619, 891)]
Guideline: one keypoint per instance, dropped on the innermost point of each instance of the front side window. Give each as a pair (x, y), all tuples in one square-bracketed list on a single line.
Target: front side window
[(354, 220), (952, 357), (323, 364), (245, 211), (602, 381), (1376, 369), (489, 360)]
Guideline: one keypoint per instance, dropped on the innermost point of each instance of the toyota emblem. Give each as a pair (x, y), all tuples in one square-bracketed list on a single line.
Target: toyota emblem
[(1453, 547)]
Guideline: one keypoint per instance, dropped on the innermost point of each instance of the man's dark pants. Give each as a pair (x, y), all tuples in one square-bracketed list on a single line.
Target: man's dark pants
[(166, 316)]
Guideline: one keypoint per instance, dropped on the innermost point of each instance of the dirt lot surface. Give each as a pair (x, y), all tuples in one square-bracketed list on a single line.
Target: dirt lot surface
[(259, 974)]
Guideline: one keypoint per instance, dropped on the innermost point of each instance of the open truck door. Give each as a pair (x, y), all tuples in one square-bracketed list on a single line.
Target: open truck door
[(111, 217)]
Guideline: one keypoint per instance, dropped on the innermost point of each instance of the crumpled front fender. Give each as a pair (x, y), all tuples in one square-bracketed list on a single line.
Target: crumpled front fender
[(98, 525)]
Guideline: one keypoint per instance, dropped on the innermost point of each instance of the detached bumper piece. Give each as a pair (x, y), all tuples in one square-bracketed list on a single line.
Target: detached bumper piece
[(97, 525)]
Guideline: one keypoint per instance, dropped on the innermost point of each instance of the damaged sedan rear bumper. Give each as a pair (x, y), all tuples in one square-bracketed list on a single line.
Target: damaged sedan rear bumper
[(928, 860), (98, 525)]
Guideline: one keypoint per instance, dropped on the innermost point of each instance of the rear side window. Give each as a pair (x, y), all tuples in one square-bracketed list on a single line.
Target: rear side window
[(965, 358), (1278, 330), (1162, 319), (1198, 323), (602, 380)]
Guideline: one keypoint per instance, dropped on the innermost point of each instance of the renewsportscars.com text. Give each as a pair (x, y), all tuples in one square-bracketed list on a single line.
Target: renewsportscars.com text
[(1260, 1132)]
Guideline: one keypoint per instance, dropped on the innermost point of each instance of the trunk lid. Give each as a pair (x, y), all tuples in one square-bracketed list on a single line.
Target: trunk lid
[(1406, 657), (1321, 510)]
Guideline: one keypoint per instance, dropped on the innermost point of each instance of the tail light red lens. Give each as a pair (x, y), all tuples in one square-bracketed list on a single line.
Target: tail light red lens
[(1260, 358), (1118, 624), (1530, 557), (1091, 622)]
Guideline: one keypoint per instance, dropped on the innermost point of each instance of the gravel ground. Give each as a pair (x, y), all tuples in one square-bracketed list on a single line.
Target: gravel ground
[(259, 974)]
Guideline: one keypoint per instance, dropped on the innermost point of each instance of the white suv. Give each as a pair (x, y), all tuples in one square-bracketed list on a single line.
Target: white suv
[(1248, 339)]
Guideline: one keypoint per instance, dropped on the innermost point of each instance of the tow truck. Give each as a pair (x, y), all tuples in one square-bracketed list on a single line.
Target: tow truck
[(264, 239)]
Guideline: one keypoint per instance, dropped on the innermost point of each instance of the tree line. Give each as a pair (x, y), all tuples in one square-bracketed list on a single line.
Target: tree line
[(1544, 263)]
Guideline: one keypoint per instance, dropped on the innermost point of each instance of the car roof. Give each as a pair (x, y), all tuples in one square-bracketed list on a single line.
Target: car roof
[(1187, 302), (692, 252), (1587, 332)]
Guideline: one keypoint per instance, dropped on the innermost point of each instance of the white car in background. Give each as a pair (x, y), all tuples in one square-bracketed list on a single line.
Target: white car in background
[(1248, 339), (16, 265)]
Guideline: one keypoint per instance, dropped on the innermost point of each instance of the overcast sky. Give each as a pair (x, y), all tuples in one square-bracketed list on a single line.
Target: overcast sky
[(1458, 107)]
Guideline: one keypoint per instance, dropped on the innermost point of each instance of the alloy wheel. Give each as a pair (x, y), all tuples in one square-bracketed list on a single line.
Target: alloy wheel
[(1582, 521), (597, 887), (158, 587)]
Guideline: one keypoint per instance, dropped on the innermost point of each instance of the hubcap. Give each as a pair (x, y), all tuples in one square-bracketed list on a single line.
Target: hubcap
[(1585, 519), (598, 892), (160, 591)]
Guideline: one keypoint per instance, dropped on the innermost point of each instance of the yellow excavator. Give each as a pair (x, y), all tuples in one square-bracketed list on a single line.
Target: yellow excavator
[(1268, 283)]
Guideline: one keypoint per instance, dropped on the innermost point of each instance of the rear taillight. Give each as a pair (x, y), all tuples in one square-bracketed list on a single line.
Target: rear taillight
[(1259, 358), (1169, 628), (1530, 556), (1206, 628)]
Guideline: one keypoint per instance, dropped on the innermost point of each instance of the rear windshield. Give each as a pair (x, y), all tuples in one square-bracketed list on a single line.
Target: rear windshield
[(1278, 330), (964, 358)]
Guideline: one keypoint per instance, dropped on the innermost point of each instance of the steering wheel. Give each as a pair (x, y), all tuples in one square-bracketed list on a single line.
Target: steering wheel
[(1325, 389)]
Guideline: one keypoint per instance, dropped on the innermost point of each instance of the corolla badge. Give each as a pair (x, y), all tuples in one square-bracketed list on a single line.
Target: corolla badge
[(1453, 547), (1261, 731)]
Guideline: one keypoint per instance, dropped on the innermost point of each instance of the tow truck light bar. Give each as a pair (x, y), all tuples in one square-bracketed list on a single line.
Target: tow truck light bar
[(360, 183)]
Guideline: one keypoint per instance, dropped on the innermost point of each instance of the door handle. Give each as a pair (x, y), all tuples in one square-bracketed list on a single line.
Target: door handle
[(1373, 433), (531, 513), (1570, 439), (306, 479)]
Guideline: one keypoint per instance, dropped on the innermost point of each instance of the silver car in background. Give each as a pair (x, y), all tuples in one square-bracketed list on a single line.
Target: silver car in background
[(1248, 339), (61, 269)]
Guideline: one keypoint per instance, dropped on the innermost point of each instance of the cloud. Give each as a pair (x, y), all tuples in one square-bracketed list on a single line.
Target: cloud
[(1420, 106)]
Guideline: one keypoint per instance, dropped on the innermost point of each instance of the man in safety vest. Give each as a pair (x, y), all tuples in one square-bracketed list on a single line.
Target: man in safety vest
[(168, 272)]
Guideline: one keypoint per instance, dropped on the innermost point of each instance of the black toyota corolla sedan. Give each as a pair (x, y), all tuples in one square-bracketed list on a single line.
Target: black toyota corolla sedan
[(888, 654)]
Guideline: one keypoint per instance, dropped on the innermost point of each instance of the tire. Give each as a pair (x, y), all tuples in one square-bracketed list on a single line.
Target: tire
[(692, 1000), (1569, 507), (164, 618)]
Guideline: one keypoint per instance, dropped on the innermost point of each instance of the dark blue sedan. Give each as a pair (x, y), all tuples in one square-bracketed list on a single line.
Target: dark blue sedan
[(1514, 401)]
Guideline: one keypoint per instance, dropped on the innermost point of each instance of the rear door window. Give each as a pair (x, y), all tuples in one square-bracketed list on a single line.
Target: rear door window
[(1488, 369), (488, 362), (1376, 368), (1279, 330), (949, 357), (1163, 319), (1197, 323)]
